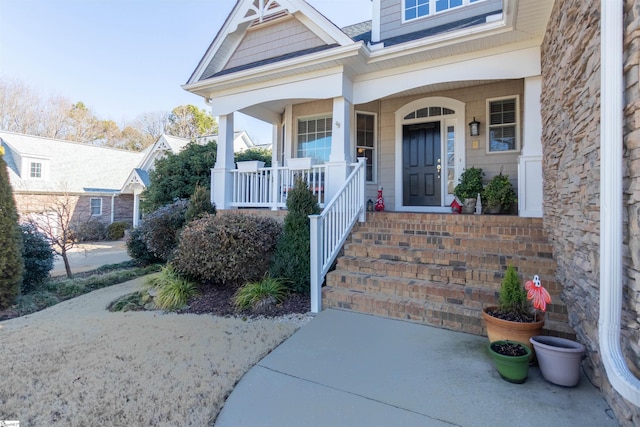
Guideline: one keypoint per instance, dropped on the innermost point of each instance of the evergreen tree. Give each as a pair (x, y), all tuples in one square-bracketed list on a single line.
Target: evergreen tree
[(10, 241), (292, 258)]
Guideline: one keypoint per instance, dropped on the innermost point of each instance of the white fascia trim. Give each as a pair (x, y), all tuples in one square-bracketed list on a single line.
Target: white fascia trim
[(319, 86), (476, 66), (334, 54), (440, 40), (611, 187)]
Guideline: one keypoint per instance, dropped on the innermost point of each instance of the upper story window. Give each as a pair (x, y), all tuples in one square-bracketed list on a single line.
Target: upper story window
[(414, 9), (96, 206), (314, 138), (35, 170), (502, 124)]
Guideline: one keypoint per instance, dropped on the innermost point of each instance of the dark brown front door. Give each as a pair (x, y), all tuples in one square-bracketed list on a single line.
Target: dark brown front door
[(421, 164)]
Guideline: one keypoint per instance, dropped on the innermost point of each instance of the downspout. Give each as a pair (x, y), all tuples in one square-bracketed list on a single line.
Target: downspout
[(611, 184), (113, 207)]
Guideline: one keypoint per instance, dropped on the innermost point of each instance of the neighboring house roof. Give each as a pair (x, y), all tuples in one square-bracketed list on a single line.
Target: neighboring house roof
[(359, 32), (242, 141), (65, 166)]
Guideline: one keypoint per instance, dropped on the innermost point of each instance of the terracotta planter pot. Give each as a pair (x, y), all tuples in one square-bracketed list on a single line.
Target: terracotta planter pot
[(498, 329), (514, 369), (559, 359)]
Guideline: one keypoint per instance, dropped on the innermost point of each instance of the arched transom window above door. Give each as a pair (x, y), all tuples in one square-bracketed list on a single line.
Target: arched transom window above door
[(429, 112)]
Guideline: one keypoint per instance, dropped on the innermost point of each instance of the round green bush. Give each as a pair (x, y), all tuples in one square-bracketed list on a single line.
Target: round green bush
[(115, 230), (38, 257), (227, 250)]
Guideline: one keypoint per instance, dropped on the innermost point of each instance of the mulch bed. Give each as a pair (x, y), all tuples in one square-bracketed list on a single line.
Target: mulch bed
[(219, 302)]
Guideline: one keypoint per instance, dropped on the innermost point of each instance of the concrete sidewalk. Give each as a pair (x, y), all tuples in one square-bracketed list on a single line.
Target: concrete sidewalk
[(91, 255), (347, 369)]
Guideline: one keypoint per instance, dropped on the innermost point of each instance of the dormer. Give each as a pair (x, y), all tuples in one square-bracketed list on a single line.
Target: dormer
[(393, 20), (34, 167)]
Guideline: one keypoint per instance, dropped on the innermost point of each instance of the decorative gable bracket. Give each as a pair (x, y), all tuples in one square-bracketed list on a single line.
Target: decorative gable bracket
[(262, 11)]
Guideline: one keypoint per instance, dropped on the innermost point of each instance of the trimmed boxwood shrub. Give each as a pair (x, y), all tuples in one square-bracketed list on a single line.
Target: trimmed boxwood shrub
[(227, 250), (292, 258), (159, 230), (92, 230), (38, 257), (116, 230)]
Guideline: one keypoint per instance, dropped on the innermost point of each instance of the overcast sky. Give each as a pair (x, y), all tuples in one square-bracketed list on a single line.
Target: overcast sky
[(123, 58)]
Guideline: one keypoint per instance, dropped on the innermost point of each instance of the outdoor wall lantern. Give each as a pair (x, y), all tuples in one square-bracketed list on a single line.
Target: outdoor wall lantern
[(474, 127)]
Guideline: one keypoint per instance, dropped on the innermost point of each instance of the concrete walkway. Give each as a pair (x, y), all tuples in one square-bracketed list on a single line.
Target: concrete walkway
[(91, 255), (347, 369)]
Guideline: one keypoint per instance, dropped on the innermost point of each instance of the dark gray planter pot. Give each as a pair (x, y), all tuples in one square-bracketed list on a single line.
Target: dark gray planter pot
[(559, 359)]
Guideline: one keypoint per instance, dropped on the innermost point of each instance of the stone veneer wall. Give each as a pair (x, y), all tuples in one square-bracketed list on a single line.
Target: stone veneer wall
[(571, 141)]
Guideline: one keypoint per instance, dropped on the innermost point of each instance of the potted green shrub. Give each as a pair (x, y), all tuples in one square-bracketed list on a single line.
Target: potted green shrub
[(469, 187), (499, 194), (513, 318), (511, 359)]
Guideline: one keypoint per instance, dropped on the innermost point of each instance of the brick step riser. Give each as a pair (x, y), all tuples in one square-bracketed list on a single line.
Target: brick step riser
[(526, 265), (456, 318), (498, 233), (395, 219), (454, 243), (476, 278), (435, 314), (444, 315), (468, 297)]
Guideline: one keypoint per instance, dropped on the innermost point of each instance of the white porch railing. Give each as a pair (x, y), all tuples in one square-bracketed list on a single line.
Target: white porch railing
[(330, 229), (268, 187)]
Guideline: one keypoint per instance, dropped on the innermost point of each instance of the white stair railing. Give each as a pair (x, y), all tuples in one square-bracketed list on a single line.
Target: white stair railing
[(330, 229)]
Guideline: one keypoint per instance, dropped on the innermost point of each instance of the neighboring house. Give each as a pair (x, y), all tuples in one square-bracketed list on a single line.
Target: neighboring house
[(242, 142), (401, 92), (88, 178), (138, 178), (103, 184)]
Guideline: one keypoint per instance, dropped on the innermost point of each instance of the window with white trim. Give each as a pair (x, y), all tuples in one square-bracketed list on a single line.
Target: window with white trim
[(502, 125), (314, 138), (366, 142), (414, 9), (35, 170), (96, 206)]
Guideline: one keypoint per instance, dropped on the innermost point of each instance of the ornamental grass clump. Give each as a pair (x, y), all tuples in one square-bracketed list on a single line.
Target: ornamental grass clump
[(172, 291), (256, 295)]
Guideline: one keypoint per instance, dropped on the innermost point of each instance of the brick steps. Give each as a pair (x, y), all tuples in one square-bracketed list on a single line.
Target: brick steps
[(440, 270)]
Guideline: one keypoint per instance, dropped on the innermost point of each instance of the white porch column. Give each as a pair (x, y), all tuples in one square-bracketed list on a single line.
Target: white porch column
[(530, 192), (337, 166), (221, 179), (136, 207)]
